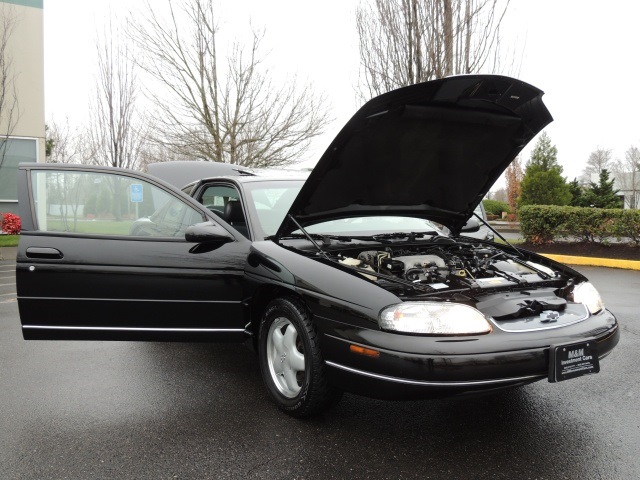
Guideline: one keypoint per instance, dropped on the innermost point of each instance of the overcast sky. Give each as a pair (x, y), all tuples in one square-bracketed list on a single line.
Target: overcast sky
[(582, 53)]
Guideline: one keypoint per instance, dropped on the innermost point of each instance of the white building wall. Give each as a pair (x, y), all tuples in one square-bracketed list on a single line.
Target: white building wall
[(26, 134)]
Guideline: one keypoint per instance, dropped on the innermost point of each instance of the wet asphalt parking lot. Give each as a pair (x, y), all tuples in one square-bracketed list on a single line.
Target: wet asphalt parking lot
[(160, 411)]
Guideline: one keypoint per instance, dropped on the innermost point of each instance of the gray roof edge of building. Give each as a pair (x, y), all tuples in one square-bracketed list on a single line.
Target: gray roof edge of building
[(26, 3)]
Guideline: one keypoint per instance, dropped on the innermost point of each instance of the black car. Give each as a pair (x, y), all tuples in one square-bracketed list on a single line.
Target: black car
[(341, 281)]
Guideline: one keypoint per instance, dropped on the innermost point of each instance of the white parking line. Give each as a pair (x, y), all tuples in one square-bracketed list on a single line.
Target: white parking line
[(7, 294), (6, 284)]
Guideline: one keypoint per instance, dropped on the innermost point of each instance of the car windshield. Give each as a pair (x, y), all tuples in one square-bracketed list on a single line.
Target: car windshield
[(377, 225), (271, 202)]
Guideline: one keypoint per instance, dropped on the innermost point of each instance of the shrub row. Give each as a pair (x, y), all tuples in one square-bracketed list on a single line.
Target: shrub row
[(546, 223), (495, 207)]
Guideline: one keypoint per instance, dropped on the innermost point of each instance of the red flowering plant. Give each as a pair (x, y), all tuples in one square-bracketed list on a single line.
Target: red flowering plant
[(11, 224)]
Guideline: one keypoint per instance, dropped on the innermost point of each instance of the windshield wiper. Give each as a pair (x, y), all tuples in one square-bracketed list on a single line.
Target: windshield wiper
[(310, 237), (410, 236), (316, 236)]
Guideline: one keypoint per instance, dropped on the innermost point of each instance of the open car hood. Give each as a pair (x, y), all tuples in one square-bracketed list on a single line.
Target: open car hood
[(430, 150)]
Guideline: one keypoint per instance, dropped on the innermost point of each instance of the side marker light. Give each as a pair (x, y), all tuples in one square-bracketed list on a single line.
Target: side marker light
[(367, 352)]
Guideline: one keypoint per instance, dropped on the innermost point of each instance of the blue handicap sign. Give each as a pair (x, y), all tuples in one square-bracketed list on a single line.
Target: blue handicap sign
[(136, 192)]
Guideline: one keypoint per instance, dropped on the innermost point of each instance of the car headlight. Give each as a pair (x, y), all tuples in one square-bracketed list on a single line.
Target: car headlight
[(434, 318), (587, 294)]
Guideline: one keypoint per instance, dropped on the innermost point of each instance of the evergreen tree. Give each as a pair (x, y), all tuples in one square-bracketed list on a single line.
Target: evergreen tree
[(602, 194), (543, 183), (544, 156), (577, 194)]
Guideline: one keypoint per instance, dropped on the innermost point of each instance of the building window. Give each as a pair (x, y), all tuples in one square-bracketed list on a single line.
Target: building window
[(12, 152)]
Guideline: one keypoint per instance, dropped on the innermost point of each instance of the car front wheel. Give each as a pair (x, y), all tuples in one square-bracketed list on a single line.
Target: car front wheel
[(291, 362)]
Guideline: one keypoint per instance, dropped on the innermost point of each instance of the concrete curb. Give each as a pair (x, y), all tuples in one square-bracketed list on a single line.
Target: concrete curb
[(595, 262)]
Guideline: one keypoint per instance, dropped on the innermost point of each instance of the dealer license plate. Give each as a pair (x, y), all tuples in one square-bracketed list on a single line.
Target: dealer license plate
[(572, 361)]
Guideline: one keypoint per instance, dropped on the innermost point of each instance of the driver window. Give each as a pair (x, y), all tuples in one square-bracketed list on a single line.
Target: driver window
[(215, 197), (224, 201), (108, 204)]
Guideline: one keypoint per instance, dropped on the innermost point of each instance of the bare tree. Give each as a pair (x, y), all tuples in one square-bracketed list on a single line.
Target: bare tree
[(217, 107), (403, 42), (9, 111), (117, 130), (154, 152), (500, 195), (598, 160), (66, 144), (627, 176)]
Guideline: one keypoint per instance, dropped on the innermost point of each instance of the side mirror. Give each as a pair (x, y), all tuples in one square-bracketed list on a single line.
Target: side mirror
[(471, 226), (207, 232)]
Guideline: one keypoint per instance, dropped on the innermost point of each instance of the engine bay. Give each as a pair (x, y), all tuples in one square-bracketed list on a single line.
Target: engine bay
[(451, 266), (503, 285)]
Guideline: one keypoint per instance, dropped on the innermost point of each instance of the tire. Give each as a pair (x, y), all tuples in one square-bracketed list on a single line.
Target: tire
[(291, 363)]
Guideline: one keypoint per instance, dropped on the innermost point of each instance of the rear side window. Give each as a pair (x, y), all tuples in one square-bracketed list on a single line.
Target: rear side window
[(215, 197), (97, 203)]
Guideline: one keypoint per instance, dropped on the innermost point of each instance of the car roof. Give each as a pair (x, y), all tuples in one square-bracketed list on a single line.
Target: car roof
[(184, 173), (246, 180)]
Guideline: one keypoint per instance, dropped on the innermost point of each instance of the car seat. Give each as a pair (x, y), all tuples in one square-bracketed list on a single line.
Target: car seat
[(234, 216)]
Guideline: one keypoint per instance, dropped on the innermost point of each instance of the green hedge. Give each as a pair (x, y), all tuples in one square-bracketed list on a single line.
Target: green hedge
[(546, 223), (495, 207)]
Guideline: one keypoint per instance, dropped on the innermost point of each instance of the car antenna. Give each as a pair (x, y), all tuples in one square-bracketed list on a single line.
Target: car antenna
[(306, 234), (243, 171)]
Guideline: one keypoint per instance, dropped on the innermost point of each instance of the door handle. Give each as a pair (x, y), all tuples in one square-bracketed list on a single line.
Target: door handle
[(44, 252)]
